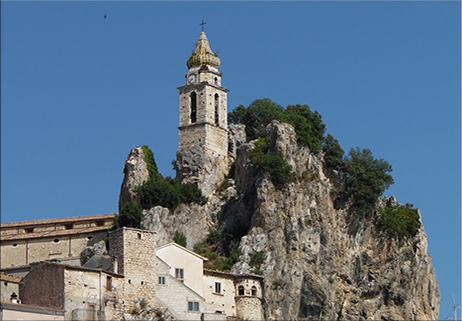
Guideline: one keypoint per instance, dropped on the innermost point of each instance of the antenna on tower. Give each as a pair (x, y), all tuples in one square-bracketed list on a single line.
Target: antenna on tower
[(454, 309)]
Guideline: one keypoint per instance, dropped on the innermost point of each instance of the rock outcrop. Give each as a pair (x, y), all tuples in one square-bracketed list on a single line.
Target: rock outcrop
[(319, 260)]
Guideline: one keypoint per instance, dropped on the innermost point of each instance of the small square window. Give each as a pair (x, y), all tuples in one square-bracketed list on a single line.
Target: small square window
[(193, 306), (179, 274)]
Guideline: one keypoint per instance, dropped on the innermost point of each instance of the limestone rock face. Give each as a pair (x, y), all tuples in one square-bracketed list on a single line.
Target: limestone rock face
[(136, 174), (320, 260)]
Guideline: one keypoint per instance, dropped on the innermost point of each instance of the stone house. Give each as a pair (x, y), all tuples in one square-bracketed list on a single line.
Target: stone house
[(22, 243), (83, 293), (185, 288)]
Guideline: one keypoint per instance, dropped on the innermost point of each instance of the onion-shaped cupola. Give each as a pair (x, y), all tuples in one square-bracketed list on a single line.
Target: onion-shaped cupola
[(203, 54)]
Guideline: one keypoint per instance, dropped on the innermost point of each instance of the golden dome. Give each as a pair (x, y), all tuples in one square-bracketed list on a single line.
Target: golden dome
[(203, 54)]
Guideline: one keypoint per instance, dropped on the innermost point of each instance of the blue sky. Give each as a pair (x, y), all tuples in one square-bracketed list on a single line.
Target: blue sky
[(79, 91)]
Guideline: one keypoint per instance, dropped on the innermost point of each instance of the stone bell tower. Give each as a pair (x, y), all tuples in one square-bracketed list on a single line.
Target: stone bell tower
[(202, 157)]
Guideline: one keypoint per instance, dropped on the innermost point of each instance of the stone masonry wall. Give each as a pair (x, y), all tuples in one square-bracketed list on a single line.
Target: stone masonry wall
[(134, 250), (222, 301)]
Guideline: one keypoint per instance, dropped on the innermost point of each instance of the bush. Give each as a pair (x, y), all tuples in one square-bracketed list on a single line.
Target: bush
[(367, 178), (166, 192), (400, 221), (279, 171), (130, 216), (208, 249), (180, 238)]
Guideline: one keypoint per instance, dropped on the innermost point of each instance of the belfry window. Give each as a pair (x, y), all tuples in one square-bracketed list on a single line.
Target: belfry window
[(241, 290), (254, 290), (193, 107), (217, 114)]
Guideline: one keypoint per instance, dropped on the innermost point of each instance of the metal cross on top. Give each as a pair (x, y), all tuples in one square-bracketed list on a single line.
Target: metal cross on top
[(202, 24)]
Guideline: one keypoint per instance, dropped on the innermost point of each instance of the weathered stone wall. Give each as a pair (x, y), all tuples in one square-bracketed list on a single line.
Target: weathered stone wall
[(223, 301), (134, 252), (25, 251), (249, 308), (86, 291)]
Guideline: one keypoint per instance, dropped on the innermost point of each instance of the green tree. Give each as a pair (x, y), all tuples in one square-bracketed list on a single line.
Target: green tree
[(256, 116), (180, 238), (308, 125), (400, 221), (367, 178), (333, 153), (279, 171), (130, 216)]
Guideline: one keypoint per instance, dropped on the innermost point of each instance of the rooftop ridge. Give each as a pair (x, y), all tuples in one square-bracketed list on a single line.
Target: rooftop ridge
[(57, 220)]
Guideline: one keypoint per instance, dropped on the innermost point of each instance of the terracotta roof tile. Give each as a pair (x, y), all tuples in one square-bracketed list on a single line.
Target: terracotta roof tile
[(9, 278)]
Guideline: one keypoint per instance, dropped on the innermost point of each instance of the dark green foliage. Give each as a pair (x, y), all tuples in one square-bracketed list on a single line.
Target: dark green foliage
[(333, 153), (399, 221), (130, 216), (280, 172), (153, 170), (166, 192), (367, 178), (257, 259), (257, 116), (190, 193), (180, 238), (208, 249), (308, 125)]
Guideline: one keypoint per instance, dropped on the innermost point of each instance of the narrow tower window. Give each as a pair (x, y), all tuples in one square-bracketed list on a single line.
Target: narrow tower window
[(254, 290), (241, 290), (193, 107), (217, 114)]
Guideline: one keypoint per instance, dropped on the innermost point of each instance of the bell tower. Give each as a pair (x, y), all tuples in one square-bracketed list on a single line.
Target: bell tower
[(203, 150)]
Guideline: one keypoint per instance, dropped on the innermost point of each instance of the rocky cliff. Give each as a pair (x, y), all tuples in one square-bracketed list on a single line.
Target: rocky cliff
[(319, 260)]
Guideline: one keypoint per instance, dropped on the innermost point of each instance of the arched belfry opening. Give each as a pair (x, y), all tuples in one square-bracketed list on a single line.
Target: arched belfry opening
[(217, 110), (193, 104)]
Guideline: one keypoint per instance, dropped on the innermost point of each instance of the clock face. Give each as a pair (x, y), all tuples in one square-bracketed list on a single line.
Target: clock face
[(192, 79)]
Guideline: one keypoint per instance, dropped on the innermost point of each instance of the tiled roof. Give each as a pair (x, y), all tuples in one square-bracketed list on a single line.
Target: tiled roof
[(44, 234), (58, 220), (9, 278)]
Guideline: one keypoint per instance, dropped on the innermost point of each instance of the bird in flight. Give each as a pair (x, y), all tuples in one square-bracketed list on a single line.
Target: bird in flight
[(105, 16)]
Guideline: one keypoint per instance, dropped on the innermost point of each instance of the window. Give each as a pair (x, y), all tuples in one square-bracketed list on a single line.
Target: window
[(109, 283), (254, 290), (217, 114), (161, 279), (193, 107), (29, 230), (56, 241), (193, 306), (69, 226), (241, 290), (14, 245), (217, 287), (179, 274)]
